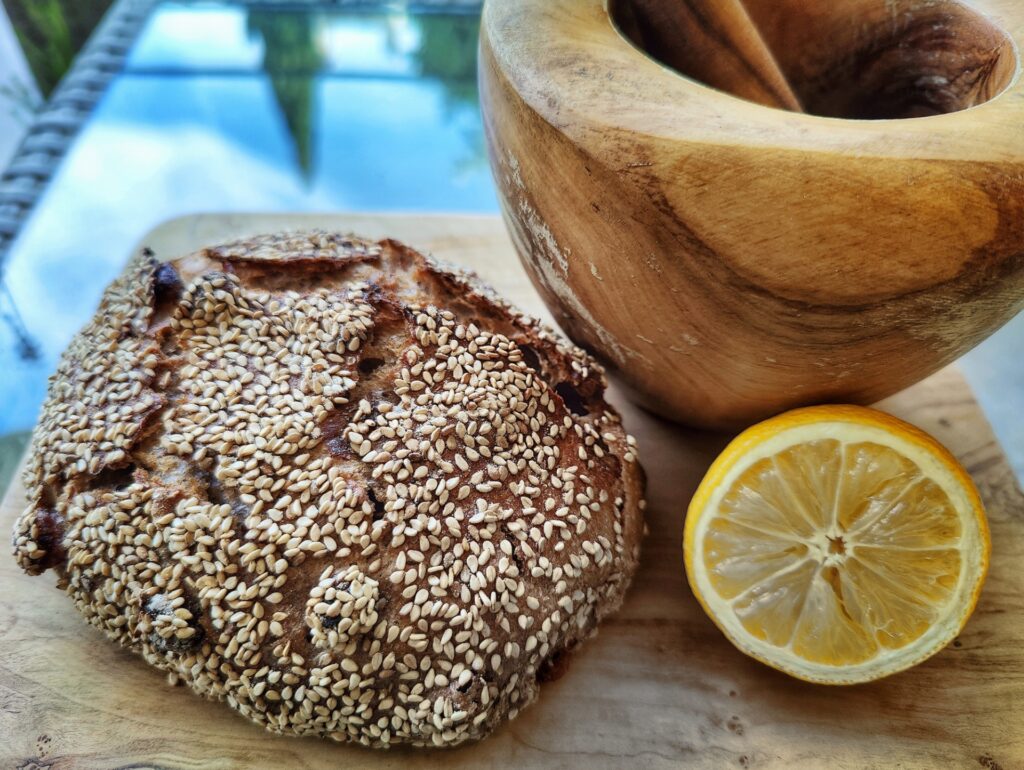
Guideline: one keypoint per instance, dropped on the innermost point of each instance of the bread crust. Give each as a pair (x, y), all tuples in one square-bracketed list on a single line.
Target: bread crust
[(334, 483)]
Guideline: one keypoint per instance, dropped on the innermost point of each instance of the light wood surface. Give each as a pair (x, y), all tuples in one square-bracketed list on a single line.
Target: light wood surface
[(658, 687), (766, 258)]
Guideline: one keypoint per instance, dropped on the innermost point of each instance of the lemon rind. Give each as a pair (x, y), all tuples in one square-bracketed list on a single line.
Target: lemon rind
[(850, 424)]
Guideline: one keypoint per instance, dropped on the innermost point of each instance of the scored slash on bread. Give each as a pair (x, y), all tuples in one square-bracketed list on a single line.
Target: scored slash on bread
[(342, 487)]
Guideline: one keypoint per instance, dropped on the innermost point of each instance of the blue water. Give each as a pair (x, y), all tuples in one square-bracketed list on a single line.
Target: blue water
[(223, 109)]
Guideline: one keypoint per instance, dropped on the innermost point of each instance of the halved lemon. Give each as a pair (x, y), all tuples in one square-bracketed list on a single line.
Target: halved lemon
[(837, 544)]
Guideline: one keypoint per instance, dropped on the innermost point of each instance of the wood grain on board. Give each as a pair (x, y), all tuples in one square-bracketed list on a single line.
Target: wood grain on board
[(659, 686)]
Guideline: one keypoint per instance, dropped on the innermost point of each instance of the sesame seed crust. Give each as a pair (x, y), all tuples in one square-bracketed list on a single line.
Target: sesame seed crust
[(344, 488)]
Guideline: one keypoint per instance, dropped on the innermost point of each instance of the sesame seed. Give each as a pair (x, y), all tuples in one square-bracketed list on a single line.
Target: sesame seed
[(487, 494)]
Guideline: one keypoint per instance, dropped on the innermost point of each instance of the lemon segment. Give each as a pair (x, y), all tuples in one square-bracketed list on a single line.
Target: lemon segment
[(838, 544)]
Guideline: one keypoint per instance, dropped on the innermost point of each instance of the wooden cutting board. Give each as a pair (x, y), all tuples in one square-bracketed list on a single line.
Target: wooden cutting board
[(659, 686)]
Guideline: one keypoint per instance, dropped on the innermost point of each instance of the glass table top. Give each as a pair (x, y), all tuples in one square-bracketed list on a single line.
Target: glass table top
[(227, 108), (224, 108)]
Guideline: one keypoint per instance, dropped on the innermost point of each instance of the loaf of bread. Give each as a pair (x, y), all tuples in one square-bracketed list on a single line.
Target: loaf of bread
[(343, 488)]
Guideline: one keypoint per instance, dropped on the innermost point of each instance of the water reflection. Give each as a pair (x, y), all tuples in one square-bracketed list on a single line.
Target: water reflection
[(226, 108), (292, 60), (447, 51), (26, 348)]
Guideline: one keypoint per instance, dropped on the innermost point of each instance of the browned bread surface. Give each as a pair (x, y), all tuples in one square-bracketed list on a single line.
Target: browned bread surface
[(345, 489)]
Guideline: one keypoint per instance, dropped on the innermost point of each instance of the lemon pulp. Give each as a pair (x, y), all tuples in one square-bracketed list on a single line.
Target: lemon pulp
[(833, 550)]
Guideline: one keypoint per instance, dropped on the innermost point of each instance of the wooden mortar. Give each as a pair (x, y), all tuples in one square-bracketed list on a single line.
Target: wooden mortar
[(730, 259)]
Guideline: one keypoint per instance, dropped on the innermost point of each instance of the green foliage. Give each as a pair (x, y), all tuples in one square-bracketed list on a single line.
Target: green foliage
[(51, 32), (12, 449), (291, 60), (448, 52)]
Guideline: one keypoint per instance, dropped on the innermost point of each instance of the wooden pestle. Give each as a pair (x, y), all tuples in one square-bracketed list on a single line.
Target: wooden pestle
[(713, 41)]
